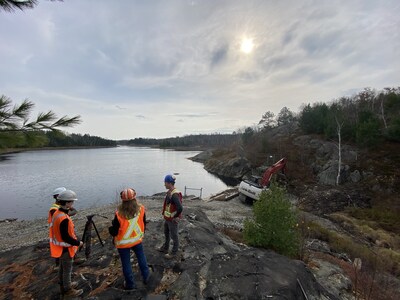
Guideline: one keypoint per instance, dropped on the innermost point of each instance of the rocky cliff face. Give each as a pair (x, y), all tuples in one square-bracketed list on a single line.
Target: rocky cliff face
[(210, 266), (227, 166), (321, 160)]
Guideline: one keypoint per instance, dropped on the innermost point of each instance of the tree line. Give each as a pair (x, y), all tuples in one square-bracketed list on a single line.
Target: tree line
[(199, 140), (366, 118)]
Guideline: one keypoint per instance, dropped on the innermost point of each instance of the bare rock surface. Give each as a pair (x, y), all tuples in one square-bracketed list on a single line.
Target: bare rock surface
[(209, 266)]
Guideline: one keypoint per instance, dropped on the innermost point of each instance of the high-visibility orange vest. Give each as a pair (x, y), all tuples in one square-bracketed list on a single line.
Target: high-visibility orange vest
[(169, 209), (53, 208), (56, 242), (130, 231)]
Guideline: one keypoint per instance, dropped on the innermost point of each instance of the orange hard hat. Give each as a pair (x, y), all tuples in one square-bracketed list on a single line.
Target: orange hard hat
[(128, 194)]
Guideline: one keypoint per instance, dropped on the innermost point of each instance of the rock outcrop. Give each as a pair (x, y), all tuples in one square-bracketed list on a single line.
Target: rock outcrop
[(209, 266), (229, 166), (325, 160)]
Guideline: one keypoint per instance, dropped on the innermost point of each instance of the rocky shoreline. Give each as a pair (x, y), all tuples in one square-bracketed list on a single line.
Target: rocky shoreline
[(203, 250), (14, 234), (210, 266)]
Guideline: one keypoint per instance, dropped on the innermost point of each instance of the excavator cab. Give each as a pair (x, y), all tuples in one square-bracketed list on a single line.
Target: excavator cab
[(250, 189)]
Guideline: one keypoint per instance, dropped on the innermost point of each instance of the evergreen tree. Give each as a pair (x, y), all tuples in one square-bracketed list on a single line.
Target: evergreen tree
[(273, 225)]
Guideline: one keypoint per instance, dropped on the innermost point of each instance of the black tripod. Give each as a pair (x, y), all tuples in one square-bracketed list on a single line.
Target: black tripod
[(87, 235)]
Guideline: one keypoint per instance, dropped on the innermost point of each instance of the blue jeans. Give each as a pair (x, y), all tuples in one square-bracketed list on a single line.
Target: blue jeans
[(124, 254)]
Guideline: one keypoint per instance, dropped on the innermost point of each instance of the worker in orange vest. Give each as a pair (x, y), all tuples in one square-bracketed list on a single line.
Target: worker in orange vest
[(172, 213), (55, 206), (128, 227), (64, 242)]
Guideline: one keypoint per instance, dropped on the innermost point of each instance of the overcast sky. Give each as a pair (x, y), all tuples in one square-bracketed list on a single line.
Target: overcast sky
[(170, 68)]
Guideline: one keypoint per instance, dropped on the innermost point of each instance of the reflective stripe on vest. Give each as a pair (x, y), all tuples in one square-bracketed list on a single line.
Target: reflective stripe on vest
[(53, 239), (167, 211), (133, 234), (57, 245)]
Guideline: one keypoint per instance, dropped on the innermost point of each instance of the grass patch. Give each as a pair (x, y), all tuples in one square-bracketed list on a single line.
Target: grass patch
[(369, 230), (234, 234), (387, 260), (385, 218)]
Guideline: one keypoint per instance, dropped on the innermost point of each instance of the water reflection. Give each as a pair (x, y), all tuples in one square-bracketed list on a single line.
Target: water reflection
[(96, 175)]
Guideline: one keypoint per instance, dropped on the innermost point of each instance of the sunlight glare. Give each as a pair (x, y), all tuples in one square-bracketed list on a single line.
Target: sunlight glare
[(247, 45)]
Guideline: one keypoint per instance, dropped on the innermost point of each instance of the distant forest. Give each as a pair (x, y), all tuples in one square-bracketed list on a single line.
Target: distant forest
[(216, 140), (367, 118), (59, 139), (41, 138)]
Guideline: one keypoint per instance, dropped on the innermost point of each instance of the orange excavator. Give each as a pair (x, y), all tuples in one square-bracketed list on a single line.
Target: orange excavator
[(250, 189)]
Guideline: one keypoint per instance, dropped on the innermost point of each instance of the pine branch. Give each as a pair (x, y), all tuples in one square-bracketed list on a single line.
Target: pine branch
[(22, 111), (17, 119), (12, 5), (46, 117), (5, 102), (65, 121)]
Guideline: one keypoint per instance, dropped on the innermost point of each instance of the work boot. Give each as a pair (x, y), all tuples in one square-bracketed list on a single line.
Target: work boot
[(79, 260), (171, 255), (129, 288), (163, 249), (73, 293)]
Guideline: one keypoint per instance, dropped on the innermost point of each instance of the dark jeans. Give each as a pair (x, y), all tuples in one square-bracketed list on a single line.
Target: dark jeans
[(171, 232), (65, 271), (125, 256)]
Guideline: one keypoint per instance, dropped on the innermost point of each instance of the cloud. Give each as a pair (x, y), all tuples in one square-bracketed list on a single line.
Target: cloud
[(181, 60), (219, 55), (193, 115)]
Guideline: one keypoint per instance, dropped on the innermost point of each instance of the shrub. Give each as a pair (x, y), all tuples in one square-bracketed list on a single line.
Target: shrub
[(273, 225)]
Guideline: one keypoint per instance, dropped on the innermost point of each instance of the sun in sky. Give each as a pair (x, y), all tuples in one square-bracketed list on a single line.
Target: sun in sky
[(247, 45)]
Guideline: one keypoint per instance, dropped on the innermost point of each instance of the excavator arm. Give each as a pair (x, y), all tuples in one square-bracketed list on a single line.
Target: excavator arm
[(249, 190), (279, 165)]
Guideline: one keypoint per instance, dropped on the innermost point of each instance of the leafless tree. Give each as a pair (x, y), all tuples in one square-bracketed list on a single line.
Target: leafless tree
[(339, 128)]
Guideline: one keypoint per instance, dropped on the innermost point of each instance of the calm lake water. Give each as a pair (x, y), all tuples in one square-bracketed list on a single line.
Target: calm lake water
[(27, 179)]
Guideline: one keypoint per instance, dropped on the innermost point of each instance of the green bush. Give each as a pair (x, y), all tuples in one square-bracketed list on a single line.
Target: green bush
[(273, 225)]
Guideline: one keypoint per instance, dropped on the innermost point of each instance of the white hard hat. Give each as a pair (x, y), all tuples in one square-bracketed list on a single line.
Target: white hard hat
[(67, 195), (59, 190)]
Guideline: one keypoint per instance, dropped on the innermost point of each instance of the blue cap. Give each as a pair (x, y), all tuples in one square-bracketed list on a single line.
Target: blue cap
[(170, 179)]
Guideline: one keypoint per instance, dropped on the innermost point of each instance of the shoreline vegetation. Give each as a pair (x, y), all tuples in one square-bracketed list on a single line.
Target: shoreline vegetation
[(5, 151)]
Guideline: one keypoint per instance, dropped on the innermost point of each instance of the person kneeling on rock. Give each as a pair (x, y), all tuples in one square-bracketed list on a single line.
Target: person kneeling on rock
[(128, 229)]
